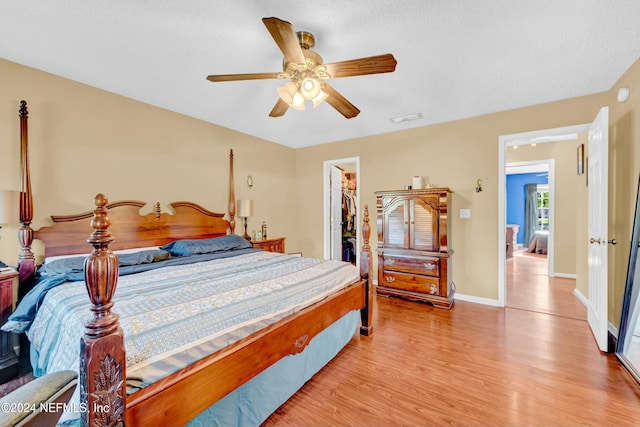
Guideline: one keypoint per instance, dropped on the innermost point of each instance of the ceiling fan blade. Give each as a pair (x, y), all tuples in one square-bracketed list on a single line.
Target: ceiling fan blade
[(279, 109), (234, 77), (357, 67), (286, 39), (340, 103)]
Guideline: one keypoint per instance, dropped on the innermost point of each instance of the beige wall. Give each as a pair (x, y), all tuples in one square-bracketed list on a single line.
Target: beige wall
[(451, 154), (84, 141), (624, 169), (568, 187)]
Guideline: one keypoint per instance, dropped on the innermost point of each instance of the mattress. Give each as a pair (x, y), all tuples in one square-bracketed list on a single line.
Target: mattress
[(174, 316)]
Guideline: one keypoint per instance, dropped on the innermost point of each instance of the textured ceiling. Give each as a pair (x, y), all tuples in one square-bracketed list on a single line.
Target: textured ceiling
[(456, 59)]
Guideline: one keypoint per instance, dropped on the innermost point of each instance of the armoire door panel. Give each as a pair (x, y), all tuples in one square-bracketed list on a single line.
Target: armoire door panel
[(395, 220), (424, 228)]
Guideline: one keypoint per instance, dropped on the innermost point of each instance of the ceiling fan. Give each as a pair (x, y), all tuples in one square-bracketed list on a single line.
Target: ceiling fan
[(307, 73)]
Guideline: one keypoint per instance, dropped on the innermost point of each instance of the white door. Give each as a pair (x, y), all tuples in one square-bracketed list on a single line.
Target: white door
[(598, 178), (336, 213)]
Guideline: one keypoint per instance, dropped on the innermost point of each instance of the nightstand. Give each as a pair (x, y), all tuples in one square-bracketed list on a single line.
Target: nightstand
[(275, 244), (8, 360)]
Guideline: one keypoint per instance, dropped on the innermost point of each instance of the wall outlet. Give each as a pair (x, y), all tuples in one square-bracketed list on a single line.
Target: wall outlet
[(465, 213)]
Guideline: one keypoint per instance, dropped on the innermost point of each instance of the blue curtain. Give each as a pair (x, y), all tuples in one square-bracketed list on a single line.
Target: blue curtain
[(530, 212)]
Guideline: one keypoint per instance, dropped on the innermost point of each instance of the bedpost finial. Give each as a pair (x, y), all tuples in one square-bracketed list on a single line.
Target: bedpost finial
[(366, 229), (101, 237), (101, 272), (100, 200), (23, 109), (102, 354)]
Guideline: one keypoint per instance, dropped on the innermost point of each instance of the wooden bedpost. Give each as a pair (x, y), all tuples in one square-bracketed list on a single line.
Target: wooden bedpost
[(366, 314), (102, 355), (26, 259), (232, 195)]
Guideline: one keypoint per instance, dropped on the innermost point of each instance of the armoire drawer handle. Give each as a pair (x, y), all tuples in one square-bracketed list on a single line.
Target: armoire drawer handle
[(429, 266), (433, 289), (390, 279), (390, 261)]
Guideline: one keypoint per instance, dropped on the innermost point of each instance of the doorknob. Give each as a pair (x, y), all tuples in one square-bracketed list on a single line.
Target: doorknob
[(592, 240), (612, 241)]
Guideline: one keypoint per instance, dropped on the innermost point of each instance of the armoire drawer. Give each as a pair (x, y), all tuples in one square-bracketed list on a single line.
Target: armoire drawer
[(413, 265), (411, 282)]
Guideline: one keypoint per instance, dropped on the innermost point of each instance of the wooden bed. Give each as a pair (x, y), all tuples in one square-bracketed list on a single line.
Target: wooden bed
[(176, 399)]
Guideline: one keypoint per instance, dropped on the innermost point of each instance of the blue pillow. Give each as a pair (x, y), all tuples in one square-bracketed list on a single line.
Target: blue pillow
[(142, 257), (205, 246), (75, 264)]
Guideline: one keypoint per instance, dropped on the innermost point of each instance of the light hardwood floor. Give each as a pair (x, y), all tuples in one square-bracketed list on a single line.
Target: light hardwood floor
[(530, 288), (473, 365)]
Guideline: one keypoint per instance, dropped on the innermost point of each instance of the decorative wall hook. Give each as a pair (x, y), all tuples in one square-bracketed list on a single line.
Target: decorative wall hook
[(249, 181), (479, 186)]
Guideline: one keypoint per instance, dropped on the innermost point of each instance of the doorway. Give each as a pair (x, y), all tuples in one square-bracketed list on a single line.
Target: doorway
[(527, 138), (342, 209), (597, 207)]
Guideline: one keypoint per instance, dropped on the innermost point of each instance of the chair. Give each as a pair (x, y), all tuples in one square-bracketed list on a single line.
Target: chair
[(24, 406)]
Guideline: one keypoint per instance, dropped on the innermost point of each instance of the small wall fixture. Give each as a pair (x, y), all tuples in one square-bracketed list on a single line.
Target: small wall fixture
[(623, 94), (479, 186)]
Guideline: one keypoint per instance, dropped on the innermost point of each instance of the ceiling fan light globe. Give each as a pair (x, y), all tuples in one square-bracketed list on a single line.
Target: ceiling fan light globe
[(310, 88), (298, 102), (322, 95), (287, 92)]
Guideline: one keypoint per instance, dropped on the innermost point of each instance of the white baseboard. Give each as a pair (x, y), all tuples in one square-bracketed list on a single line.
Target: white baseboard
[(478, 300), (564, 275), (613, 330), (581, 297)]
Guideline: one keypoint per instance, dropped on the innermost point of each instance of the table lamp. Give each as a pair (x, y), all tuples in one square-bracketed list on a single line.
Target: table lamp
[(245, 210)]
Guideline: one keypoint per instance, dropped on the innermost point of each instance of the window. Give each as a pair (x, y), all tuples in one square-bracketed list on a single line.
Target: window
[(542, 203)]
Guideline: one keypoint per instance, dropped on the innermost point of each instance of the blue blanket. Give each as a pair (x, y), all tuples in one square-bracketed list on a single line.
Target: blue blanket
[(72, 269)]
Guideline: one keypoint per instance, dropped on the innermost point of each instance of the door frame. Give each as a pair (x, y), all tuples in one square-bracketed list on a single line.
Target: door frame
[(504, 141), (326, 194)]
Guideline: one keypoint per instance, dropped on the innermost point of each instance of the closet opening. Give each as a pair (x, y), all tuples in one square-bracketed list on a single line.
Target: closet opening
[(342, 210)]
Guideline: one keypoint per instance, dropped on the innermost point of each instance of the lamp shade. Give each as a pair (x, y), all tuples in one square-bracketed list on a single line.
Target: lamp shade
[(298, 102), (245, 208), (9, 207), (322, 95), (287, 91), (310, 88)]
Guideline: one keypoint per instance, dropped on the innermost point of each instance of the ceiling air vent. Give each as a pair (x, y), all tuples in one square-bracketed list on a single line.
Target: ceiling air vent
[(407, 118)]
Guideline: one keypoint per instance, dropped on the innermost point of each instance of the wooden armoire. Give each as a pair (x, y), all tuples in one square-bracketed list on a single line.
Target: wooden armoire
[(414, 257)]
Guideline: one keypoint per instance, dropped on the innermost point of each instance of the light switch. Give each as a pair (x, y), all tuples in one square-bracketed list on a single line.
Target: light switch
[(465, 213)]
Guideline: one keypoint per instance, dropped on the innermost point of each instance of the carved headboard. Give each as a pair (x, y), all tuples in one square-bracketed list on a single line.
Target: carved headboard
[(68, 234)]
